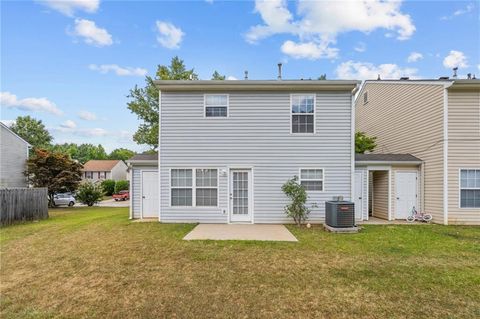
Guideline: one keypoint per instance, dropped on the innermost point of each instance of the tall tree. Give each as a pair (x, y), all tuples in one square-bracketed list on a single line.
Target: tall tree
[(364, 143), (55, 171), (88, 152), (217, 76), (144, 100), (121, 154), (33, 131)]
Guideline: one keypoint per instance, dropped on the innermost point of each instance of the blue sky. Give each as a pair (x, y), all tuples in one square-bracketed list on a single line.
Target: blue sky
[(72, 63)]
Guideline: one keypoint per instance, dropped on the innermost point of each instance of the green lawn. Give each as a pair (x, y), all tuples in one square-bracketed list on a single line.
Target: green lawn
[(94, 262)]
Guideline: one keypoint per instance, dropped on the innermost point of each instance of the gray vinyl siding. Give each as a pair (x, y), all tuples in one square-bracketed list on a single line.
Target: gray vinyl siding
[(256, 134), (13, 157), (136, 193)]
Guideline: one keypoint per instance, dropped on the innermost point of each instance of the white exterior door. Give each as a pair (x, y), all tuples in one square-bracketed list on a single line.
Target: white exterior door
[(406, 193), (149, 194), (359, 196), (240, 195)]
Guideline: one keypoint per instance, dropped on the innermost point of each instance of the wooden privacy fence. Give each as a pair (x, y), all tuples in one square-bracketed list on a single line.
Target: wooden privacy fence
[(20, 204)]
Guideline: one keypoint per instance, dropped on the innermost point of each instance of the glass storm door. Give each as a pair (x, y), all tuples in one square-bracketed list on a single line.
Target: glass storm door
[(240, 196)]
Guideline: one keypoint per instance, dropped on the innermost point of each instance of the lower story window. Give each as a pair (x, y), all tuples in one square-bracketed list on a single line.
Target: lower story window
[(204, 190), (312, 179), (470, 188), (181, 187)]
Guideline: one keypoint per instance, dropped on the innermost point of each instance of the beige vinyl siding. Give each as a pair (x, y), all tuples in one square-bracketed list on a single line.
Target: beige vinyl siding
[(408, 118), (380, 194), (463, 149)]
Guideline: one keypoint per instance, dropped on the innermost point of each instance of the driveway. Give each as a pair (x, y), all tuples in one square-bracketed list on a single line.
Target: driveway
[(108, 203)]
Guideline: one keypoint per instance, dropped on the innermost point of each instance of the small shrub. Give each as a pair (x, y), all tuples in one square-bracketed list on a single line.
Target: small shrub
[(89, 193), (298, 195), (121, 185), (108, 186)]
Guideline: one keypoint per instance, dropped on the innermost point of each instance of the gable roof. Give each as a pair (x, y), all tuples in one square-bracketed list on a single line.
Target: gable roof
[(14, 134), (383, 158), (257, 85), (100, 165)]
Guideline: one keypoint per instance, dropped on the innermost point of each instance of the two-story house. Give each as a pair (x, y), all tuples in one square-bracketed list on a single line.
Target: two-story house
[(437, 122), (227, 147), (13, 158), (99, 170)]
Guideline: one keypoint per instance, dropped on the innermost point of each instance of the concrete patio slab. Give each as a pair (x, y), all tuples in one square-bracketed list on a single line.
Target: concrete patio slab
[(240, 232)]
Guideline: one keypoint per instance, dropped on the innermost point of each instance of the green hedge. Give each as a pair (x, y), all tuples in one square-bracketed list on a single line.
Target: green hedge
[(121, 185), (108, 186)]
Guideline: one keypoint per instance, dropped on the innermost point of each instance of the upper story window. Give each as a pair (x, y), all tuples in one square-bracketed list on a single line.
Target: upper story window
[(216, 105), (312, 179), (89, 175), (303, 113), (470, 188), (365, 97)]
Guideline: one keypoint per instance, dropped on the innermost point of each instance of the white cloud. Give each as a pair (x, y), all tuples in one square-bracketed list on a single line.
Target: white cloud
[(309, 50), (69, 124), (68, 7), (32, 104), (469, 8), (414, 57), (8, 123), (118, 70), (361, 47), (455, 59), (87, 116), (368, 71), (83, 132), (92, 34), (231, 78), (169, 35), (318, 23)]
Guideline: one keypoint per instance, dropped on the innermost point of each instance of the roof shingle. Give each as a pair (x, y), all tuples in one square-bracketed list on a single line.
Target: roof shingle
[(100, 165)]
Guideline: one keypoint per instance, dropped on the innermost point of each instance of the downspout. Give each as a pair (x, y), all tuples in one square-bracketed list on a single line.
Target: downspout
[(352, 146), (159, 151), (445, 152)]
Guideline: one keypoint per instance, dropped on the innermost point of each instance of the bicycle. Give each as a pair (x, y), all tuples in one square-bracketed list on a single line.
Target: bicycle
[(421, 216)]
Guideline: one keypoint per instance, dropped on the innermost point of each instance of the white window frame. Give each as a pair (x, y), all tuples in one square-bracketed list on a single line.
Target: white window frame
[(205, 106), (312, 180), (183, 187), (365, 97), (314, 112), (205, 187), (193, 187), (466, 188)]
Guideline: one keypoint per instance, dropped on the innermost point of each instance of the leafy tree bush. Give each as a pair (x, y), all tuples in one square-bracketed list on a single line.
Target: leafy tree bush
[(108, 187), (55, 171), (297, 209), (364, 143), (33, 131), (121, 154), (121, 185), (89, 193)]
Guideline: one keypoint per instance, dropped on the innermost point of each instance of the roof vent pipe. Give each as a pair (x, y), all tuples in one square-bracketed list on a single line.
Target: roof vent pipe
[(469, 76), (455, 69), (279, 71), (246, 75)]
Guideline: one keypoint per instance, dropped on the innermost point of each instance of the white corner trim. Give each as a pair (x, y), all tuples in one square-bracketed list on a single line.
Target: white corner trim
[(158, 148), (445, 153), (390, 194), (352, 149)]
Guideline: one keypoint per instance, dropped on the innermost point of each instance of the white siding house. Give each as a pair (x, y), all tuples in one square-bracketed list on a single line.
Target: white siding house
[(13, 158), (100, 170), (227, 147)]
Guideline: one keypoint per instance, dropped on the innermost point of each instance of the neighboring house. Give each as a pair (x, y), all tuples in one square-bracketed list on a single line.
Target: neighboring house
[(227, 147), (438, 123), (13, 158), (99, 170)]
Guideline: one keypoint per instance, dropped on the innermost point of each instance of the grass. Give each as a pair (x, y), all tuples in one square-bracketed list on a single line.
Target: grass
[(93, 262)]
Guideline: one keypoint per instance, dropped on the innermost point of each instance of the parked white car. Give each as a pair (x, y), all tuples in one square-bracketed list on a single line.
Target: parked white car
[(64, 199)]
